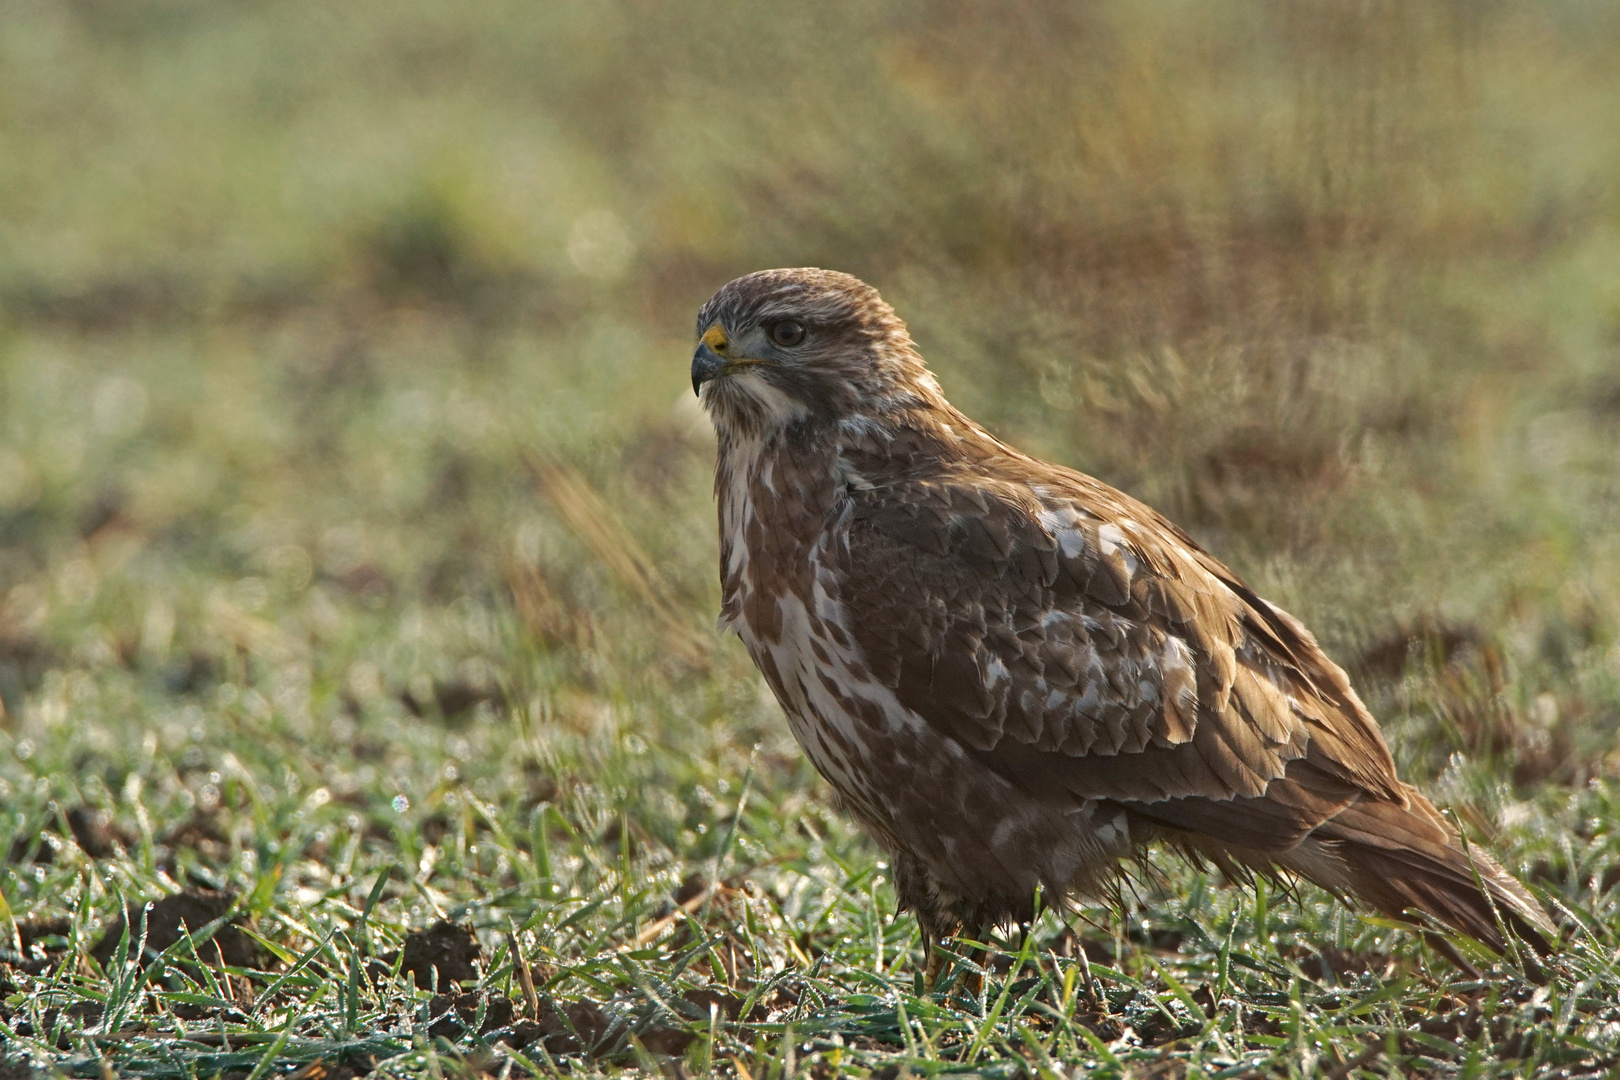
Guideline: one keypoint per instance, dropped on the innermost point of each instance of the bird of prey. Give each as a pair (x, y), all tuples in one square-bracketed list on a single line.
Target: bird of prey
[(1015, 675)]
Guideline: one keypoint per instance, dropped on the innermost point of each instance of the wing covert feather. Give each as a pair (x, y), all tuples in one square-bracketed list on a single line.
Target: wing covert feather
[(1085, 648)]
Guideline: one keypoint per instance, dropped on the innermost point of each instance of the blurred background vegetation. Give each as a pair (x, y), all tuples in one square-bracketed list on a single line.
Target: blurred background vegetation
[(347, 446)]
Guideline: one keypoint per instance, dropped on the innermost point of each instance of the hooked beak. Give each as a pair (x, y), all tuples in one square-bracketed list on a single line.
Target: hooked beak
[(710, 360), (706, 364)]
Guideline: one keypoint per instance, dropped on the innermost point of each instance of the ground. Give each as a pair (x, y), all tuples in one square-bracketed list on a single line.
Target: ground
[(357, 555)]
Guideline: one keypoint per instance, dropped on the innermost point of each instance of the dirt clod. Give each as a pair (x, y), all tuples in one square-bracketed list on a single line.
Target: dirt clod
[(539, 786), (202, 833), (94, 831), (666, 1041), (457, 1013), (692, 886), (574, 1027), (450, 950), (450, 701), (168, 919), (727, 1006), (434, 827), (97, 835), (38, 848), (31, 931)]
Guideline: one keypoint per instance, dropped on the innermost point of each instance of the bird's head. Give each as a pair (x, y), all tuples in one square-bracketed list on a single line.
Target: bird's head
[(780, 348)]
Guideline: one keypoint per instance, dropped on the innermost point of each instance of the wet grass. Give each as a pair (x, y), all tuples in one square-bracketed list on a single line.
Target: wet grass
[(357, 554)]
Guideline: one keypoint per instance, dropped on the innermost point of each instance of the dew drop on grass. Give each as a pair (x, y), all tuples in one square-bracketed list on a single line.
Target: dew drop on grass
[(401, 804)]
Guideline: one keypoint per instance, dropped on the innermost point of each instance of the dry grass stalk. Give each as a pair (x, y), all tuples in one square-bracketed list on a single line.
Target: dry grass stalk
[(601, 529)]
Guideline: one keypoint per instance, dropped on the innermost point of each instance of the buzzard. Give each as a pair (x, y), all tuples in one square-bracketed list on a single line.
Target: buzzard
[(1014, 675)]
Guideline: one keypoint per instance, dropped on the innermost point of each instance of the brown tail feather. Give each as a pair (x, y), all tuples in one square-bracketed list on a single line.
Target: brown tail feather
[(1397, 857), (1393, 857)]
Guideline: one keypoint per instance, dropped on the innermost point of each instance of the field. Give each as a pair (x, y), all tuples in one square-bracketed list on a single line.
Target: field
[(357, 548)]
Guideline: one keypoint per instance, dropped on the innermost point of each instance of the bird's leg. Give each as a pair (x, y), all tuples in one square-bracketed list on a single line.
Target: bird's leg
[(936, 967), (933, 959), (1026, 931), (1073, 947), (973, 983), (939, 958), (977, 957), (918, 893), (1088, 982)]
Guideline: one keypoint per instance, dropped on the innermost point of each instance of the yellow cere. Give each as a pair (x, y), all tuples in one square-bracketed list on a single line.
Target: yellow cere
[(715, 338)]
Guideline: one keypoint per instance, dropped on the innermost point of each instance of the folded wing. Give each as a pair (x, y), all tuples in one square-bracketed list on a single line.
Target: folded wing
[(1083, 647)]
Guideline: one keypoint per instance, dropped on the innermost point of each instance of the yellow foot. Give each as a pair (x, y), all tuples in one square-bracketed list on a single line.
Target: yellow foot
[(938, 959), (974, 984), (936, 964)]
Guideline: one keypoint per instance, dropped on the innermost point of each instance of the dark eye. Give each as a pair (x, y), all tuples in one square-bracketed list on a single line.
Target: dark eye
[(787, 333)]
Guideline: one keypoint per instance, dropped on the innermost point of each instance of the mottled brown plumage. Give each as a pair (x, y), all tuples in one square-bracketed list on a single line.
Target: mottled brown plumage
[(1014, 675)]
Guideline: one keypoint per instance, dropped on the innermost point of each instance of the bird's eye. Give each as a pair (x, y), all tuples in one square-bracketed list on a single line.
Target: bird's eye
[(787, 333)]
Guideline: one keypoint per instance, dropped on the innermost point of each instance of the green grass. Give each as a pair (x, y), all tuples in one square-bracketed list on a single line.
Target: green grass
[(357, 550)]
